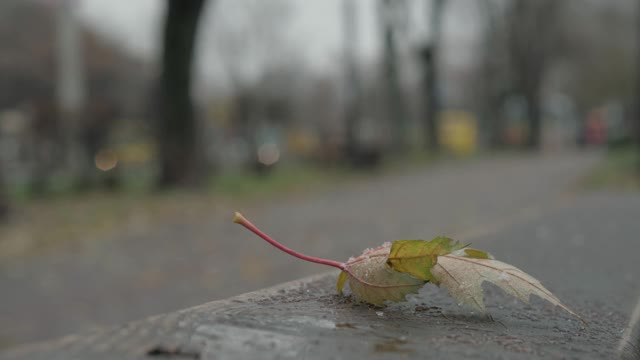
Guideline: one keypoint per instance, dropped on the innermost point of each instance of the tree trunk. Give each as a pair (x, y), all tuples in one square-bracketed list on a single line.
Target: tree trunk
[(178, 139), (432, 140), (431, 79)]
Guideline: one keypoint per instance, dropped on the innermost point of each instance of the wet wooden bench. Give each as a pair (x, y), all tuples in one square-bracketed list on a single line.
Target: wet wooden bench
[(307, 319)]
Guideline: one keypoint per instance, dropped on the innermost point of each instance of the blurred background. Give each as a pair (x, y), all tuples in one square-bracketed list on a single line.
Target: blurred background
[(130, 131)]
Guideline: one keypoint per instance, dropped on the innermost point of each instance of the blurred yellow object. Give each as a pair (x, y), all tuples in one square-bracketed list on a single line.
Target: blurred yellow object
[(458, 132), (301, 142), (135, 153)]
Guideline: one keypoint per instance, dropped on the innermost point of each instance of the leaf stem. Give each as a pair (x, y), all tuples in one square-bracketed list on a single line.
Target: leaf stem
[(239, 219)]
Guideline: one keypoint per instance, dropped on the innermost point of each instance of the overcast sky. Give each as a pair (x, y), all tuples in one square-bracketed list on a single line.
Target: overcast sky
[(313, 27), (136, 23)]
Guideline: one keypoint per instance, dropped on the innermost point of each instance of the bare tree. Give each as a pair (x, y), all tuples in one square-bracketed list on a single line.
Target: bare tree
[(390, 15), (494, 80), (250, 43), (602, 62), (532, 45), (177, 136)]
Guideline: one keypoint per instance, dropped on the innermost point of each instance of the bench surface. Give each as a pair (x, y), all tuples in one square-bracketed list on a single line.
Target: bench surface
[(307, 319)]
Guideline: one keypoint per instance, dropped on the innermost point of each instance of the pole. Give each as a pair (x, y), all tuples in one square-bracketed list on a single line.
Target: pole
[(352, 79), (70, 84)]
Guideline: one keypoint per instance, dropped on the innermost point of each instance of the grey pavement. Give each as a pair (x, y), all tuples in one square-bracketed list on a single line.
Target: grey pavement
[(192, 260), (585, 250)]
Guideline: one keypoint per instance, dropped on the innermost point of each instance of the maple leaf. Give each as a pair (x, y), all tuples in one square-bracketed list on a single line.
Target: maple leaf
[(463, 273), (373, 282), (392, 271)]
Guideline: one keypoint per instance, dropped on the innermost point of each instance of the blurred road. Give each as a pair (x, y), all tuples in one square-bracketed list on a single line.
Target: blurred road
[(192, 260)]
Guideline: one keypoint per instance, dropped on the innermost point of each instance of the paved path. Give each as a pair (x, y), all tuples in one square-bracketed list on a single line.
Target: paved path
[(585, 250), (192, 260)]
